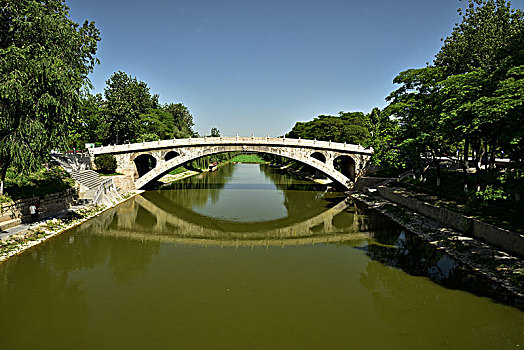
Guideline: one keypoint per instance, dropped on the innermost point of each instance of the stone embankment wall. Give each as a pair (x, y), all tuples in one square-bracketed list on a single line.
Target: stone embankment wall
[(17, 212), (499, 237)]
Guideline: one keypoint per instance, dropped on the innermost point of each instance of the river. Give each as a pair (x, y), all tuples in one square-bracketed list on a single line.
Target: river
[(247, 257)]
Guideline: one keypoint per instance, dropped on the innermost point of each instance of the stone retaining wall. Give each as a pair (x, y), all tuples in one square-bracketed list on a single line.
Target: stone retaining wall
[(14, 213), (502, 238)]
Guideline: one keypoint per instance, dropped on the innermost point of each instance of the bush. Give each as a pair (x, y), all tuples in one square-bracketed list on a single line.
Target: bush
[(106, 163), (38, 183)]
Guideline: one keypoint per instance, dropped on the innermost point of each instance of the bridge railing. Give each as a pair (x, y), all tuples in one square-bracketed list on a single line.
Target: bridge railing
[(235, 140)]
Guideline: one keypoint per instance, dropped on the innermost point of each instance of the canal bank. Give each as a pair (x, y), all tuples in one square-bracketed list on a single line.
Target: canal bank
[(20, 238), (504, 269)]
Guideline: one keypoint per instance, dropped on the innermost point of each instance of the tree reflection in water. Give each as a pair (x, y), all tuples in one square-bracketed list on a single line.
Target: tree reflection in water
[(197, 190)]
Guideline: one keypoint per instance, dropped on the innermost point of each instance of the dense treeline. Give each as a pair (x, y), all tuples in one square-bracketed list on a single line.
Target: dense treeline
[(468, 103), (45, 59), (127, 112), (347, 127), (470, 99)]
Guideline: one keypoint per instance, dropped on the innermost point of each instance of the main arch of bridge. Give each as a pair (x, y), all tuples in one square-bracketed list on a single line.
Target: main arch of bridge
[(146, 162)]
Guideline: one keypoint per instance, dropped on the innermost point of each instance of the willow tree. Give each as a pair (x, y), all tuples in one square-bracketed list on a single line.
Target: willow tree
[(45, 59)]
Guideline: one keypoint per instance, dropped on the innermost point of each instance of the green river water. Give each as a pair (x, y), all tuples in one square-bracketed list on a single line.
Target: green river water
[(246, 257)]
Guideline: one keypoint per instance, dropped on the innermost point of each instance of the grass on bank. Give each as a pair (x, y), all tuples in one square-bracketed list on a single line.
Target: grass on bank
[(178, 170), (239, 158), (39, 183), (248, 158), (111, 174)]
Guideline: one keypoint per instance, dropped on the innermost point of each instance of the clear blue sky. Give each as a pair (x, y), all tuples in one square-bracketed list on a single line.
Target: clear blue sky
[(260, 66)]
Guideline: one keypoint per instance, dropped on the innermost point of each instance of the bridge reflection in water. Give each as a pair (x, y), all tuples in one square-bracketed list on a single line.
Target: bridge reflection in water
[(142, 219), (187, 212)]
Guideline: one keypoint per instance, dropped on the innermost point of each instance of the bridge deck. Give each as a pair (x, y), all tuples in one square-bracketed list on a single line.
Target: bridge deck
[(210, 141)]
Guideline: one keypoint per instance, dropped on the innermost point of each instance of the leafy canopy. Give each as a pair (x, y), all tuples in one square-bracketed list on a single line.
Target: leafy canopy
[(348, 127), (45, 59)]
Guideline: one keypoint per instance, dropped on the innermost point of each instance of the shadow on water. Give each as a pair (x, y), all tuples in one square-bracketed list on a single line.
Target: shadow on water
[(402, 249)]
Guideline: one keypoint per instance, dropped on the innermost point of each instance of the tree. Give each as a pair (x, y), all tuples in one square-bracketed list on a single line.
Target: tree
[(348, 127), (156, 124), (384, 139), (170, 121), (471, 98), (215, 132), (126, 100), (475, 59), (486, 27), (182, 119), (417, 107), (106, 163), (45, 59), (90, 125)]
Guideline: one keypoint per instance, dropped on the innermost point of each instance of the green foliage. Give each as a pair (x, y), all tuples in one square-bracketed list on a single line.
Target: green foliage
[(347, 127), (45, 59), (512, 181), (126, 99), (106, 163), (490, 193), (385, 137), (290, 163), (90, 124), (486, 26), (215, 132), (178, 170), (5, 198), (469, 102), (38, 183), (182, 120), (129, 113), (155, 124), (169, 121), (248, 158), (481, 90), (203, 163)]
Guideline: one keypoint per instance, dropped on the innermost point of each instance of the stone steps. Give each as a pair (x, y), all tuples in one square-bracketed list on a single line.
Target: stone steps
[(88, 178)]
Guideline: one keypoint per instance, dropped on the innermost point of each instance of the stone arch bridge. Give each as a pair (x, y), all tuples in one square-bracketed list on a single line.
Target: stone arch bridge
[(148, 161)]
